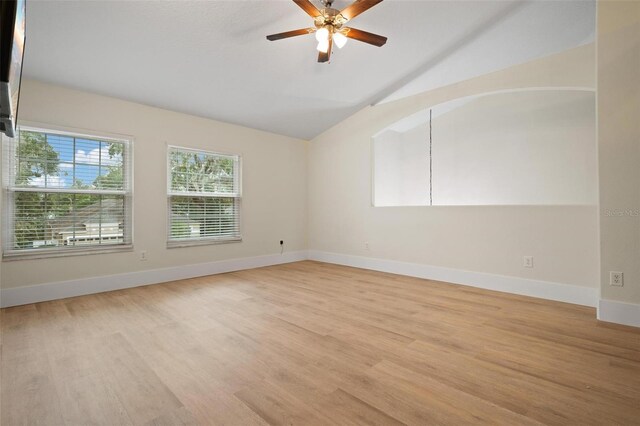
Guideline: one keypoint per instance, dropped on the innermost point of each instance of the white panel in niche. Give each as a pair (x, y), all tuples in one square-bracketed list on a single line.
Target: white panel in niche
[(533, 147)]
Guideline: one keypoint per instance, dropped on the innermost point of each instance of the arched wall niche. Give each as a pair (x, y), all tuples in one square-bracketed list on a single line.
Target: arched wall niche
[(515, 146)]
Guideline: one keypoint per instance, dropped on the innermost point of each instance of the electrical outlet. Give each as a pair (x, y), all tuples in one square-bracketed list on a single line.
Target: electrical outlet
[(616, 279), (528, 262), (143, 255), (366, 246)]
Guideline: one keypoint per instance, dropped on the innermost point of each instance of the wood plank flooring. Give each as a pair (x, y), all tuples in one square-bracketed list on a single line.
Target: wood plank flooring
[(310, 343)]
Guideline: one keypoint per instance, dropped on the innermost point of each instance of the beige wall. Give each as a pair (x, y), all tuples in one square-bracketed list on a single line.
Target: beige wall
[(331, 177), (619, 145), (274, 183), (491, 239)]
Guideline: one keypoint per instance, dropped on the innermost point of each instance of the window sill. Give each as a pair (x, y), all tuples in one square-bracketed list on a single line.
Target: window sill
[(52, 253), (207, 242)]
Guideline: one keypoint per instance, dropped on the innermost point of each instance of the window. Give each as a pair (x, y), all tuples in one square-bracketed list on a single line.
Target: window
[(66, 193), (204, 197)]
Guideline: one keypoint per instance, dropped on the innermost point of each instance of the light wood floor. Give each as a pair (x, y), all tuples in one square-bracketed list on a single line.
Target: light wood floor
[(312, 343)]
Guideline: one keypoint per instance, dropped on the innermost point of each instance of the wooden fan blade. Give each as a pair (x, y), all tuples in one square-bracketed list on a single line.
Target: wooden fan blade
[(324, 57), (366, 37), (280, 36), (308, 7), (357, 7)]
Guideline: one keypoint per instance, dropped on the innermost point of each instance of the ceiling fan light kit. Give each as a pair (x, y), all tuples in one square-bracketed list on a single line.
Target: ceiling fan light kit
[(329, 26)]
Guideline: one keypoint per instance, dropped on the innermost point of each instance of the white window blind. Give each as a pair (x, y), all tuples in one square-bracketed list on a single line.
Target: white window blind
[(65, 193), (204, 197)]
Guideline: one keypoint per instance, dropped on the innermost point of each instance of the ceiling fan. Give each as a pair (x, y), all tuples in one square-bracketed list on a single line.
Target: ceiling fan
[(330, 26)]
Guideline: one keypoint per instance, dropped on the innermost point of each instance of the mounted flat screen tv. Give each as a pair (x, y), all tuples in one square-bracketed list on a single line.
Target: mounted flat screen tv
[(12, 37)]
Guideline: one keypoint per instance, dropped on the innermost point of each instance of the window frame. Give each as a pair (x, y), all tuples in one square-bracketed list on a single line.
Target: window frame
[(9, 189), (203, 241)]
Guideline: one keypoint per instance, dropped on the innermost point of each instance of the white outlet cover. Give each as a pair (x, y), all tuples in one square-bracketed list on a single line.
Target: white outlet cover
[(616, 279), (528, 262)]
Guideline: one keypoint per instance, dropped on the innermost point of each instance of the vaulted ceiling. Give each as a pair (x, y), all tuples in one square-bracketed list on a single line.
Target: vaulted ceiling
[(211, 58)]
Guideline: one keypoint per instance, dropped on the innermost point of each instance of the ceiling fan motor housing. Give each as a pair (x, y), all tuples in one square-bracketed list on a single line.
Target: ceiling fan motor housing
[(330, 18)]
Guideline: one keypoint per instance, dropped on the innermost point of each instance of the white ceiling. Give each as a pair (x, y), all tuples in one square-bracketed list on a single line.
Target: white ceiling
[(211, 58)]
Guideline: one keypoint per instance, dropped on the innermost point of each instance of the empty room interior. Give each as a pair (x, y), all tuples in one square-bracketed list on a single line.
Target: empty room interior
[(335, 212)]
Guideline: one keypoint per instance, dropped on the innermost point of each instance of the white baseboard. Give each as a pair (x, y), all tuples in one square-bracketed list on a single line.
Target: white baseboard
[(619, 312), (63, 289), (586, 296)]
